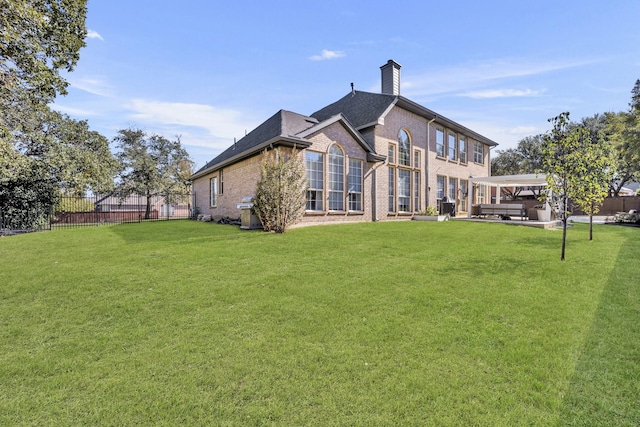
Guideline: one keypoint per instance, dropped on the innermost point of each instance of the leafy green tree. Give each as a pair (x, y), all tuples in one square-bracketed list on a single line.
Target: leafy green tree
[(281, 192), (627, 167), (60, 156), (526, 158), (38, 39), (564, 165), (151, 165), (598, 167), (27, 194)]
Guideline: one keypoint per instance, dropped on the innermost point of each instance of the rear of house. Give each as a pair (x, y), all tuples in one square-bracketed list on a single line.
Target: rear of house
[(368, 157)]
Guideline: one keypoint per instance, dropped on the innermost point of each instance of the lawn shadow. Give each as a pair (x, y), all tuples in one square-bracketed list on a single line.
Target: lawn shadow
[(605, 387)]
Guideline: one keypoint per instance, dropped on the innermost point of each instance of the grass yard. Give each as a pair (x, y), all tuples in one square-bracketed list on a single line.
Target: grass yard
[(410, 323)]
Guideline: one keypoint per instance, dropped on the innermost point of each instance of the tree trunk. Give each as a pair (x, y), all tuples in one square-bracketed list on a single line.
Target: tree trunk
[(564, 236), (591, 226), (147, 212)]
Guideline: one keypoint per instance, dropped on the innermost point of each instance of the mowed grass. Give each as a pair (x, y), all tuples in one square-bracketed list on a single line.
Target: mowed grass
[(409, 323)]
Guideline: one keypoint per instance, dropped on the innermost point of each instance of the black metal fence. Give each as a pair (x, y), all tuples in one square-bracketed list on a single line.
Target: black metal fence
[(71, 212), (114, 208)]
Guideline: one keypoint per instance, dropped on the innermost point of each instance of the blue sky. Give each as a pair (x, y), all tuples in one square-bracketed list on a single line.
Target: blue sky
[(211, 70)]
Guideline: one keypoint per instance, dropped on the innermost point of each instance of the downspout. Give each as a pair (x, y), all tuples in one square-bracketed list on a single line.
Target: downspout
[(427, 159)]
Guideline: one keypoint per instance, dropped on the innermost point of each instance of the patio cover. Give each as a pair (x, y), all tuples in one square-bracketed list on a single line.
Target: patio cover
[(525, 180)]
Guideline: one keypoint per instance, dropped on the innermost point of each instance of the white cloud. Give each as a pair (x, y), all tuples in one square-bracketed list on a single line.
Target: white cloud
[(327, 54), (94, 35), (95, 86), (464, 77), (501, 93), (198, 124), (72, 111)]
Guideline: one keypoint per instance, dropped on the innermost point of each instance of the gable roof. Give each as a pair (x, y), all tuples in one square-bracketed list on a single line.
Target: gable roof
[(281, 128), (357, 111), (372, 156), (365, 109), (362, 109)]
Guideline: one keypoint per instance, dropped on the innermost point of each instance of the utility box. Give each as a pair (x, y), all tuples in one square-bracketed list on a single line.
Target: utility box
[(447, 207), (248, 221)]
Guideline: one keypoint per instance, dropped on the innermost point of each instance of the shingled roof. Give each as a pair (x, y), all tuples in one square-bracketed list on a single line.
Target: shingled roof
[(360, 108), (281, 127)]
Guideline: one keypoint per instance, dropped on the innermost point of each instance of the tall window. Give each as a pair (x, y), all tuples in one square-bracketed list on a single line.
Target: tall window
[(392, 188), (404, 190), (462, 144), (453, 186), (464, 189), (404, 148), (314, 163), (440, 187), (478, 153), (355, 185), (336, 178), (480, 197), (391, 156), (440, 143), (416, 191), (214, 191), (416, 159), (453, 147)]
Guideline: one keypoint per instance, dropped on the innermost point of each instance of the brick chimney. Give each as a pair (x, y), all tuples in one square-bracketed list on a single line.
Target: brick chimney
[(391, 77)]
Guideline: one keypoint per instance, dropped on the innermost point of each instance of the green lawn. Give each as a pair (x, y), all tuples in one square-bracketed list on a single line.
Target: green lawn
[(410, 323)]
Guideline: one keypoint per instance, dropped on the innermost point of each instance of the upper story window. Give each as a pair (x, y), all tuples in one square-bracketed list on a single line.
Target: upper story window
[(404, 148), (462, 149), (453, 147), (416, 159), (478, 153), (391, 156), (336, 178), (440, 142)]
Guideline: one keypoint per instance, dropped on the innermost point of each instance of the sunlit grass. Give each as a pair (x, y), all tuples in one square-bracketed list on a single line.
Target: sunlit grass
[(410, 323)]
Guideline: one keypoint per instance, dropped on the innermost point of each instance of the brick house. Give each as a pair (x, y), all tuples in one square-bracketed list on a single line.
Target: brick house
[(368, 156)]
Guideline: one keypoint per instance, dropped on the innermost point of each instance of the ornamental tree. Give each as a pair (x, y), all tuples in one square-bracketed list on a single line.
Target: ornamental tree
[(598, 167), (281, 192), (564, 165)]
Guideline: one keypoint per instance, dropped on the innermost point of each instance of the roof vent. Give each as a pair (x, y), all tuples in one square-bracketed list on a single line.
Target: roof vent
[(391, 78)]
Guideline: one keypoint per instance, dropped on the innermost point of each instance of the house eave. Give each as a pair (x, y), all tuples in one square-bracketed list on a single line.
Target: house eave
[(284, 141)]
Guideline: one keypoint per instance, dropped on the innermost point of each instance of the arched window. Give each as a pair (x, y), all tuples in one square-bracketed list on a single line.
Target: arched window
[(404, 148), (336, 178)]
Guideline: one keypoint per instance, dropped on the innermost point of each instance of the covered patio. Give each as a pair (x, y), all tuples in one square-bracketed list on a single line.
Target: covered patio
[(510, 181)]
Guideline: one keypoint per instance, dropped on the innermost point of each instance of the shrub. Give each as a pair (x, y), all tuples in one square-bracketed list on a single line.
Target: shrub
[(280, 195)]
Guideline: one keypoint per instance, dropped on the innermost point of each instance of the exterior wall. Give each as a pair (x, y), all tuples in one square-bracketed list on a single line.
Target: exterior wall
[(423, 138), (386, 134), (443, 166), (239, 180), (321, 141)]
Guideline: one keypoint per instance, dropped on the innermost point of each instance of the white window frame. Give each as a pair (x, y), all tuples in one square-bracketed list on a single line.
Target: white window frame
[(441, 148), (462, 148), (404, 147), (335, 178), (356, 184), (478, 153), (452, 146), (315, 175), (213, 192)]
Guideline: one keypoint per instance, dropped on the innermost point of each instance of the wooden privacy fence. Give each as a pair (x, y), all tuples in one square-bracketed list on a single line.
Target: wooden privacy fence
[(613, 205)]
